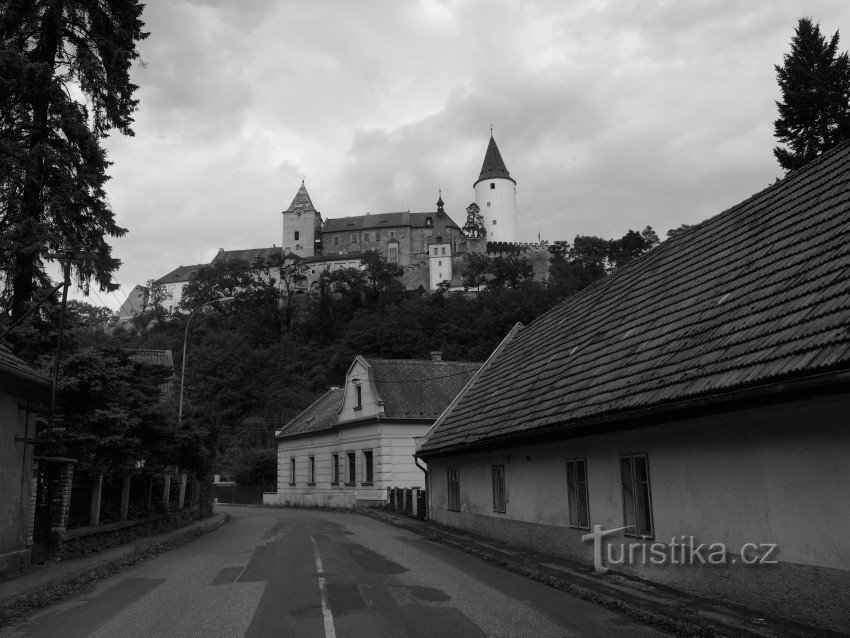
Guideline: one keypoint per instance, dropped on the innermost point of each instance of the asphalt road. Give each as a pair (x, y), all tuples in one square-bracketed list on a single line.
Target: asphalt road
[(275, 572)]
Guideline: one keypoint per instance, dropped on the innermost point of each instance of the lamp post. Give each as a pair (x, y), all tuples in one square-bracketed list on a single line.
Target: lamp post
[(185, 338)]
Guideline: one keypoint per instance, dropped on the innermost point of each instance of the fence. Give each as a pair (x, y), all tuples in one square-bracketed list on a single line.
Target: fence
[(410, 501)]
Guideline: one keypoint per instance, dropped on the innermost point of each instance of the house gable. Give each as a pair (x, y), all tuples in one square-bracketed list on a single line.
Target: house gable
[(361, 399)]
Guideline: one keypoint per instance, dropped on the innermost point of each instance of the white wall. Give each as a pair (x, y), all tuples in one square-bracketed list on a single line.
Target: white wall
[(439, 264), (392, 447), (770, 475), (498, 205), (305, 225)]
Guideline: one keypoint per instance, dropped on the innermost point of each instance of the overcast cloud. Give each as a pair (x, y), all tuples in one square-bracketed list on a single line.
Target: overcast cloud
[(610, 115)]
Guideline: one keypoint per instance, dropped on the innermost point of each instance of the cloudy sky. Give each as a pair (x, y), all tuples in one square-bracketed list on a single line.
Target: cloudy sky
[(610, 114)]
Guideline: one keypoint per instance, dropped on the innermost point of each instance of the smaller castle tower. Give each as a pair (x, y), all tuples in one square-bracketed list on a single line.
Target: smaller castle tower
[(495, 194), (302, 226), (439, 250)]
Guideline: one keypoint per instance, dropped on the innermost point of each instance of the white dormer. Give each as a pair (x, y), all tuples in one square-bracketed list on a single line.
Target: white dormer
[(361, 398)]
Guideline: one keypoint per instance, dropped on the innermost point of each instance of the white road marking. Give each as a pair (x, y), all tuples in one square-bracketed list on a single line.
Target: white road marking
[(330, 632)]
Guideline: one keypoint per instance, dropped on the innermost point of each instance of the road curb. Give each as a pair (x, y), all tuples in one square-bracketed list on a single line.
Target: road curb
[(57, 588), (670, 622)]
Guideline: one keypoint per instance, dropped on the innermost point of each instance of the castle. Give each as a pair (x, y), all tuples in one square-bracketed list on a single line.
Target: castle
[(429, 246)]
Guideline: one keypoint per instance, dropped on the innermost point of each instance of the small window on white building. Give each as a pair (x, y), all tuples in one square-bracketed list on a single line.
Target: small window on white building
[(435, 250), (392, 234), (368, 468), (488, 204), (297, 235), (637, 501), (492, 186), (359, 395), (453, 489), (352, 468), (292, 471), (353, 238), (311, 476), (499, 500), (336, 240), (577, 493), (335, 471), (440, 262), (392, 255), (365, 236), (494, 222), (444, 250)]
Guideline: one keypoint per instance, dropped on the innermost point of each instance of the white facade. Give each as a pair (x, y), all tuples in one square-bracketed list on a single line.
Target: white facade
[(175, 295), (299, 232), (496, 197), (439, 264)]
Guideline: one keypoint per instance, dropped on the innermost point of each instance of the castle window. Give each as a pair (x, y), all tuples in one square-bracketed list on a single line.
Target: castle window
[(392, 256), (435, 250), (353, 238), (377, 235), (488, 204), (492, 186), (428, 221), (392, 234), (444, 250), (297, 235), (336, 240), (494, 222), (440, 263)]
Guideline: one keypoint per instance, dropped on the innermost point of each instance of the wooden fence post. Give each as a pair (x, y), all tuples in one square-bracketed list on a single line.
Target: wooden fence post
[(182, 496), (414, 502), (166, 490), (96, 494), (125, 497)]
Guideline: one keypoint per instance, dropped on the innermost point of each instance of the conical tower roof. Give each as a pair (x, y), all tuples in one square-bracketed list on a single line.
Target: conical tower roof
[(301, 200), (494, 165)]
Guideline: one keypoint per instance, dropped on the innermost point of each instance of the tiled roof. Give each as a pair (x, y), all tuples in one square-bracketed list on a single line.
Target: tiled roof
[(757, 294), (409, 389), (319, 416), (301, 200), (12, 365), (382, 220), (153, 357), (494, 165), (180, 274), (414, 388), (247, 254)]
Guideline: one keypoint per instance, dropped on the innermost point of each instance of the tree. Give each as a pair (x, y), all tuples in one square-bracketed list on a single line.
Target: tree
[(474, 270), (64, 66), (814, 114), (588, 258), (510, 271), (224, 278), (621, 251), (153, 305), (474, 226)]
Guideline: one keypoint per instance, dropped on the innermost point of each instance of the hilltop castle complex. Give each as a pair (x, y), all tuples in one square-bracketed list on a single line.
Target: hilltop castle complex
[(430, 245)]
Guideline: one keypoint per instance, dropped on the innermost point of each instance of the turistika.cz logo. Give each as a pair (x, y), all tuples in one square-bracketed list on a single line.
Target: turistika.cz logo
[(681, 550)]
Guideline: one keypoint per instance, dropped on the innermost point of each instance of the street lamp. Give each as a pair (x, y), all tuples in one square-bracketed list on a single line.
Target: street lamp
[(185, 338)]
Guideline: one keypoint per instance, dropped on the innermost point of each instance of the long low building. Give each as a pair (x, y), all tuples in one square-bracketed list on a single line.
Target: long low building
[(358, 439), (685, 419)]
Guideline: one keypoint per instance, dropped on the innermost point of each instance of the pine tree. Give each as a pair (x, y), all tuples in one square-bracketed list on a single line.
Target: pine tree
[(814, 114), (64, 84)]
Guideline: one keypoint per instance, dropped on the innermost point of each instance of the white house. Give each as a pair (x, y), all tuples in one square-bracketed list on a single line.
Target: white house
[(357, 440), (174, 283), (690, 408)]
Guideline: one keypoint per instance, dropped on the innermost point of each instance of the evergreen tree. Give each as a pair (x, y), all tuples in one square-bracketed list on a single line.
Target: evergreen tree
[(64, 84), (814, 114), (474, 226)]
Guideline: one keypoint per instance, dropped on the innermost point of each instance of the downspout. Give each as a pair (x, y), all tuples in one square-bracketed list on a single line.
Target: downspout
[(427, 485)]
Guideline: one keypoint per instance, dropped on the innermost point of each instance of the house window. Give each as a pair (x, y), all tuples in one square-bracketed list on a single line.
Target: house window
[(435, 250), (492, 186), (365, 236), (353, 238), (359, 392), (444, 250), (577, 493), (440, 263), (352, 468), (393, 255), (336, 240), (453, 489), (368, 468), (311, 476), (637, 502), (297, 235), (292, 471), (336, 469), (498, 473)]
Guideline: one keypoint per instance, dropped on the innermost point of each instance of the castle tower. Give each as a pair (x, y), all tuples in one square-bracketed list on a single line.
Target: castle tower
[(302, 225), (495, 194), (439, 250)]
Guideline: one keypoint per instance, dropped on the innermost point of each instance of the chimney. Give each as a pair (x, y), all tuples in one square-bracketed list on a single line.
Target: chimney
[(436, 355)]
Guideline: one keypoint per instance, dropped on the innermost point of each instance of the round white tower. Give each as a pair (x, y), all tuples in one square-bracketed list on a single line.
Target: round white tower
[(495, 194)]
